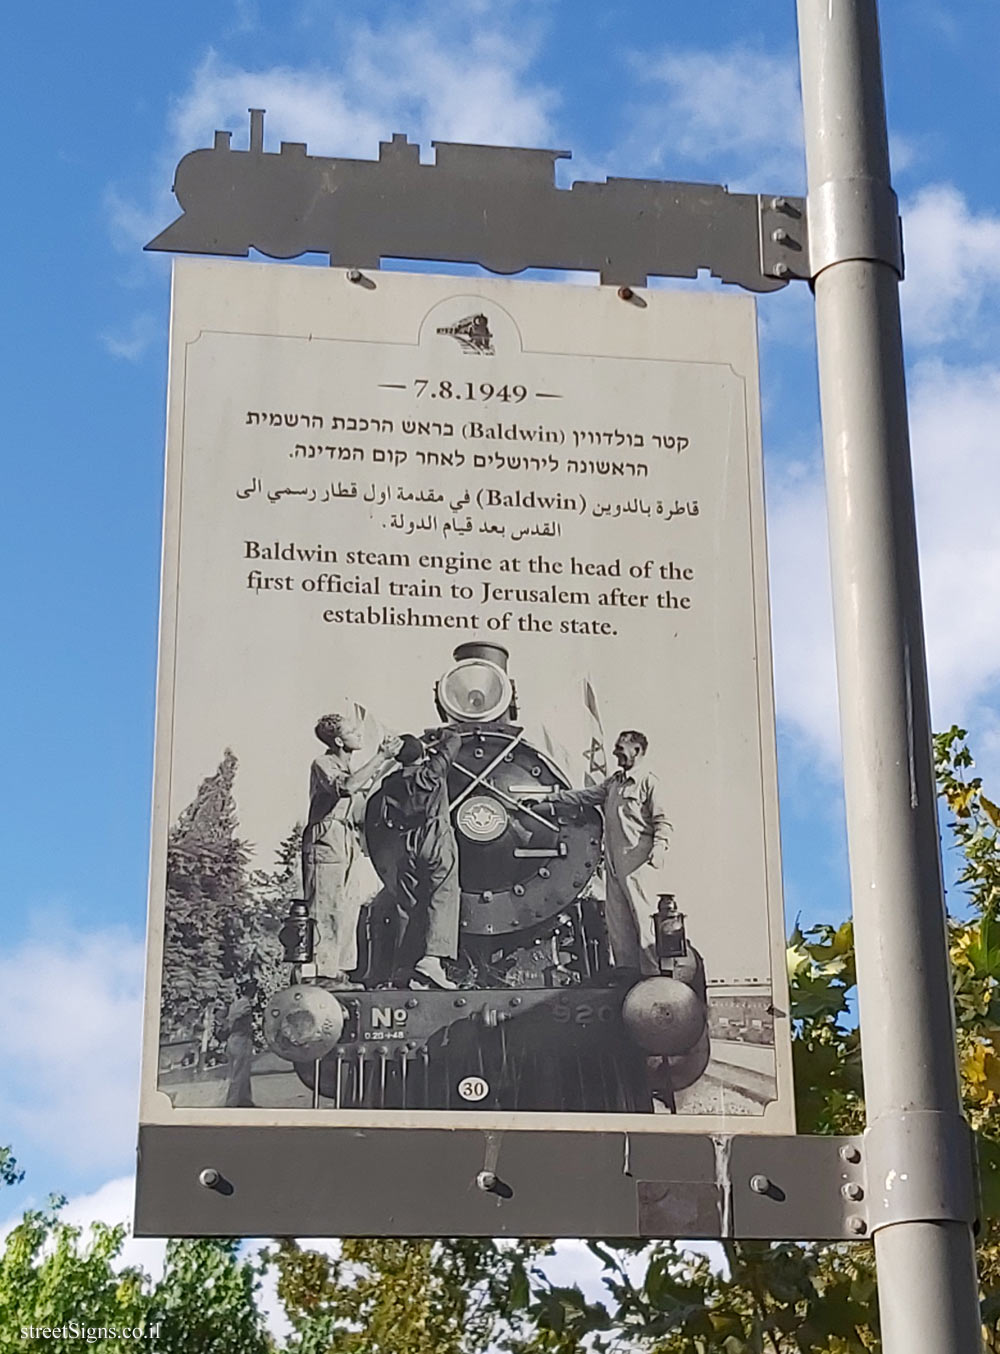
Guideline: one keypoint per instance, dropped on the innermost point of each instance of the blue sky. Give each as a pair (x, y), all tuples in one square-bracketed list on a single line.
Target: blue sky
[(101, 103)]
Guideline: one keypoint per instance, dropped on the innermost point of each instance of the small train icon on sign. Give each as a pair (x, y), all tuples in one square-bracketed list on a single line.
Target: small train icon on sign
[(473, 333)]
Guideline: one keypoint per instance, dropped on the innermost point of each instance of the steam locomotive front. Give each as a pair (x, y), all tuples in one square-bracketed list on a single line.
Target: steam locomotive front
[(541, 1019), (518, 866)]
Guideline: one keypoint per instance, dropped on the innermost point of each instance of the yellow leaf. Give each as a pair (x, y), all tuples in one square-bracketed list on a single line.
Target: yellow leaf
[(991, 810)]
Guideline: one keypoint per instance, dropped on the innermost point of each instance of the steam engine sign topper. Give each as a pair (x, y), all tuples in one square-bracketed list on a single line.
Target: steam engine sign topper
[(465, 803)]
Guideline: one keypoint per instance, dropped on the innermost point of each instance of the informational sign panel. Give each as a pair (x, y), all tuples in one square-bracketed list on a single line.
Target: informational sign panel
[(465, 807)]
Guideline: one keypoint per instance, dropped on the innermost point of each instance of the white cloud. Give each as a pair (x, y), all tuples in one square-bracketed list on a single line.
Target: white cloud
[(954, 415), (455, 72), (736, 108), (71, 1007), (952, 267), (136, 338), (951, 292), (110, 1203), (801, 605)]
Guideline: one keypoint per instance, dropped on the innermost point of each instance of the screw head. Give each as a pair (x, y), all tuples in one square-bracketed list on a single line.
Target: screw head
[(209, 1177), (850, 1153), (781, 269), (779, 204), (779, 236), (852, 1190), (486, 1181), (857, 1226), (354, 274), (626, 293), (760, 1184)]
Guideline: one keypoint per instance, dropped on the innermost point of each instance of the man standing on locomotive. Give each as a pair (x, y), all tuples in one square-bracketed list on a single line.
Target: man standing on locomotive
[(329, 843), (636, 836), (427, 889)]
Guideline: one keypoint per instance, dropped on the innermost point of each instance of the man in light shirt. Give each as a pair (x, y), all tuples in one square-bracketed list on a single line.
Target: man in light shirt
[(636, 836), (329, 842)]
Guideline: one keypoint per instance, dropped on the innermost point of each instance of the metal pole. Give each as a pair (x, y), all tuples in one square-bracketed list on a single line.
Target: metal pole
[(928, 1293)]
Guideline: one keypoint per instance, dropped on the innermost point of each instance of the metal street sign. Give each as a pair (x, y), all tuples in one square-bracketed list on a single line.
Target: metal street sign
[(521, 526), (910, 1181)]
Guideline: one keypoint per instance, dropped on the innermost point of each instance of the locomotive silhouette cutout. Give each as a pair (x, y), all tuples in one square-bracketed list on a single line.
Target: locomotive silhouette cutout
[(472, 333), (541, 1020)]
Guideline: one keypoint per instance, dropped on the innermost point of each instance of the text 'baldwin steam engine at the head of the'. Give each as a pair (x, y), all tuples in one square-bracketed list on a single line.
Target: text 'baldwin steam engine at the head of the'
[(490, 976)]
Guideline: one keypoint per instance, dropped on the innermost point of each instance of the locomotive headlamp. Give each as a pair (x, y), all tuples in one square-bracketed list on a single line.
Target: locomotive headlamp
[(298, 934), (303, 1023), (475, 689), (664, 1016)]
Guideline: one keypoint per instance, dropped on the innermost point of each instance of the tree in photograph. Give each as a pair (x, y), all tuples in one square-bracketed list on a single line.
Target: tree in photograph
[(208, 918), (271, 892)]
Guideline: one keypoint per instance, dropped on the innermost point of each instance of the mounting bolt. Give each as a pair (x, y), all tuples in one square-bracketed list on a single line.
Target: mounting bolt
[(779, 236), (625, 293), (760, 1184), (210, 1178), (778, 204), (850, 1153), (354, 274), (857, 1226), (486, 1181), (780, 269), (853, 1191)]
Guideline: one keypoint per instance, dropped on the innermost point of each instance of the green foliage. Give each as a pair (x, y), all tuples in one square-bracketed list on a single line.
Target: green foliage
[(826, 1050), (404, 1297), (53, 1276), (9, 1173), (206, 1301), (50, 1276)]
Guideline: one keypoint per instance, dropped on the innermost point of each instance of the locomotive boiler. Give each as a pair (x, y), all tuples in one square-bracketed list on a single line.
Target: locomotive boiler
[(541, 1019)]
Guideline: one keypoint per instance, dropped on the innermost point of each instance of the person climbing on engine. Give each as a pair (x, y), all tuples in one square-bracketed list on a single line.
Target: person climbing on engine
[(329, 841), (427, 889), (636, 837)]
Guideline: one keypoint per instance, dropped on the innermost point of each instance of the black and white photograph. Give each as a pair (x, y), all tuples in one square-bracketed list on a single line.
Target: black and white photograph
[(478, 829)]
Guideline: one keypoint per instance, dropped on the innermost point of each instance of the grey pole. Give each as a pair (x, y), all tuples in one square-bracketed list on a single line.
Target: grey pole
[(928, 1293)]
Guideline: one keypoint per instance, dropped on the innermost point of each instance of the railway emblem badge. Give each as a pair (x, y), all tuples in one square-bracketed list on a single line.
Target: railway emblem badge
[(481, 819), (472, 334)]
